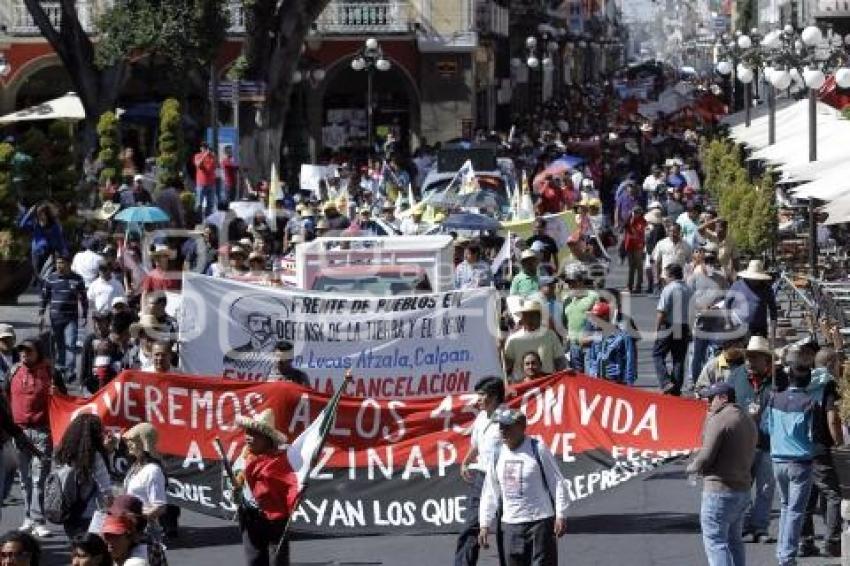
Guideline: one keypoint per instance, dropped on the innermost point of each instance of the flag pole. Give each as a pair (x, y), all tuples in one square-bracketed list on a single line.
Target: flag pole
[(326, 427)]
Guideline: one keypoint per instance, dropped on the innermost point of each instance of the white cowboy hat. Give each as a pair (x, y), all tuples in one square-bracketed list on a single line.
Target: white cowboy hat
[(654, 216), (527, 254), (755, 271), (759, 345), (531, 306), (654, 205), (107, 211), (264, 423), (146, 322), (162, 249)]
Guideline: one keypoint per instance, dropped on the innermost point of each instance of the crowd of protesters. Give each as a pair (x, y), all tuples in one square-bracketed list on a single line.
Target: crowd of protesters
[(636, 199)]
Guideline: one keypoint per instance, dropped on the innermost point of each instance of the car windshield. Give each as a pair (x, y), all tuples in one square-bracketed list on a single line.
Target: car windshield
[(390, 284)]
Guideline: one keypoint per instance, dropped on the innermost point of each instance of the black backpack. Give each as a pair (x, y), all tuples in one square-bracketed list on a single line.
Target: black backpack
[(64, 497)]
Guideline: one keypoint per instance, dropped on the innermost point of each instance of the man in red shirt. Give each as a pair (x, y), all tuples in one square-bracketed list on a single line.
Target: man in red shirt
[(159, 278), (229, 171), (634, 243), (269, 490), (29, 388), (205, 180)]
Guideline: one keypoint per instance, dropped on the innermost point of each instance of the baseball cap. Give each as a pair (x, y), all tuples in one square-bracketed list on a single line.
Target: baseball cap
[(507, 417), (137, 178), (117, 525), (719, 388), (7, 331), (600, 309)]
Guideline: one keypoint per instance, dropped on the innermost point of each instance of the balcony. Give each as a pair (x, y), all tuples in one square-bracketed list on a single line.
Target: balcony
[(20, 21), (391, 16)]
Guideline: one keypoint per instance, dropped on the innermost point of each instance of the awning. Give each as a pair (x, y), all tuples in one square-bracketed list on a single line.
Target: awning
[(67, 107)]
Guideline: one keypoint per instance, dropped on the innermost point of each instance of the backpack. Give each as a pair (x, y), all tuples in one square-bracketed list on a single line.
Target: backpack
[(63, 496)]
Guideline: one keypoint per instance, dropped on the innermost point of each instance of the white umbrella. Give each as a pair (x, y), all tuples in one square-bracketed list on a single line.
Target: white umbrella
[(67, 107)]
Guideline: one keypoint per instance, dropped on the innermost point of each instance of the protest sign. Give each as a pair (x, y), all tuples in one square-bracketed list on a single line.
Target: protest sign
[(391, 466), (558, 227), (418, 345)]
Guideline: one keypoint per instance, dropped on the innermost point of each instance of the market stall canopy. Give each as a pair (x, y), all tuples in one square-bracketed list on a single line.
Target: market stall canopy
[(67, 107), (838, 210)]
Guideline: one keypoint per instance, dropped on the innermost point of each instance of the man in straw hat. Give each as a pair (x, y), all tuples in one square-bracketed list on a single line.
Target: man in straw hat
[(160, 278), (752, 301), (271, 476), (532, 336)]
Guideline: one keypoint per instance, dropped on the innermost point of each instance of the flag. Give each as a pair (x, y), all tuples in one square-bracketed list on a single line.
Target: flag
[(304, 451), (468, 182), (410, 196), (503, 255), (274, 189)]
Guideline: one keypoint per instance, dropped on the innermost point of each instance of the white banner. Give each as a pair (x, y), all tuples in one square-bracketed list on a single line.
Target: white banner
[(396, 346)]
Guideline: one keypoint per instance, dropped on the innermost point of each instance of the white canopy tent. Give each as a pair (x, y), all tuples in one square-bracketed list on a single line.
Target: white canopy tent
[(838, 210), (67, 107)]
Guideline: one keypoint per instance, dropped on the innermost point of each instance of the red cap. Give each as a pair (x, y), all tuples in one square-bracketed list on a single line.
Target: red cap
[(117, 525), (602, 310)]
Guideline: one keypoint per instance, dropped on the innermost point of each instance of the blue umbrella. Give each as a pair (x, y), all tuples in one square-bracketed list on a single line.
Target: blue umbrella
[(142, 215), (471, 221), (571, 161)]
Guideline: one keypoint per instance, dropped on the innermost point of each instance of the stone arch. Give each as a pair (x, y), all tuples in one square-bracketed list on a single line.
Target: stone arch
[(339, 73), (30, 70)]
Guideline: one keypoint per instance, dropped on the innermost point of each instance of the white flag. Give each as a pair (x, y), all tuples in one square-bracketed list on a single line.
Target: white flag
[(503, 255)]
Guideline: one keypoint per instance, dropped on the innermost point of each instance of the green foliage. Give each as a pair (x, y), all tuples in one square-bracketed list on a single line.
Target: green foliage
[(171, 146), (51, 173), (108, 158), (178, 33), (12, 245), (748, 207), (239, 69), (845, 112)]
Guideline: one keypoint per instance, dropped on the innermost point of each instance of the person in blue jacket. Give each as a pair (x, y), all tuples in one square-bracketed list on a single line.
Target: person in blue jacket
[(47, 236), (610, 354)]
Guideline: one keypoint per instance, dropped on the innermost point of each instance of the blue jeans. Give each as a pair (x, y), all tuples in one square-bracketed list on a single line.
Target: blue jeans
[(225, 193), (34, 471), (65, 342), (699, 356), (794, 480), (576, 357), (205, 199), (721, 519), (758, 515)]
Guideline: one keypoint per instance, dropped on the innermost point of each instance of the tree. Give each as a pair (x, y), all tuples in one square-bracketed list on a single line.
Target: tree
[(107, 130), (174, 35), (275, 34), (171, 147), (11, 240), (97, 87)]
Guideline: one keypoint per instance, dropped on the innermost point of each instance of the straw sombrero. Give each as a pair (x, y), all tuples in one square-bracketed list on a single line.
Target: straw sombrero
[(264, 423), (755, 271)]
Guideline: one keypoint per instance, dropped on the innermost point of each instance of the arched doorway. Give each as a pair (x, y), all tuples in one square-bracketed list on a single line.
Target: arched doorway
[(44, 84), (340, 111)]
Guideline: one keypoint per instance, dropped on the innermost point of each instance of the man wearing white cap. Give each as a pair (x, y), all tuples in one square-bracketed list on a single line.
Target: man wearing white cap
[(8, 354), (525, 482), (526, 281), (533, 337)]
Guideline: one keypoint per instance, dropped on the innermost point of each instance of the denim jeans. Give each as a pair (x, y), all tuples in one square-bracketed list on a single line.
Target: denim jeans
[(205, 199), (721, 519), (467, 549), (576, 357), (672, 341), (34, 473), (699, 356), (65, 342), (758, 515), (794, 480), (224, 193), (824, 483)]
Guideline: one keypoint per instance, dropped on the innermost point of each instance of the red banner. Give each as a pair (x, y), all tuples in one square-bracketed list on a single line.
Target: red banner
[(391, 450)]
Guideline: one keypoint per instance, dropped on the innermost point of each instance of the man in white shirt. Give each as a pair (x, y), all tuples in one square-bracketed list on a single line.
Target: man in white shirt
[(104, 290), (484, 444), (526, 480), (672, 249), (650, 184), (85, 263)]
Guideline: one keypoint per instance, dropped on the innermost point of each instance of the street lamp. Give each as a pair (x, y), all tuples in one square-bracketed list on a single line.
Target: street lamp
[(370, 58), (539, 59)]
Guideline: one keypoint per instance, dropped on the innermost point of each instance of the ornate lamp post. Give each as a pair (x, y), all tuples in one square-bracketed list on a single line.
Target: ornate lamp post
[(370, 58)]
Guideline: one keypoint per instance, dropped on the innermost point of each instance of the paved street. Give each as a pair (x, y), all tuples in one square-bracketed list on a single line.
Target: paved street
[(651, 521)]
